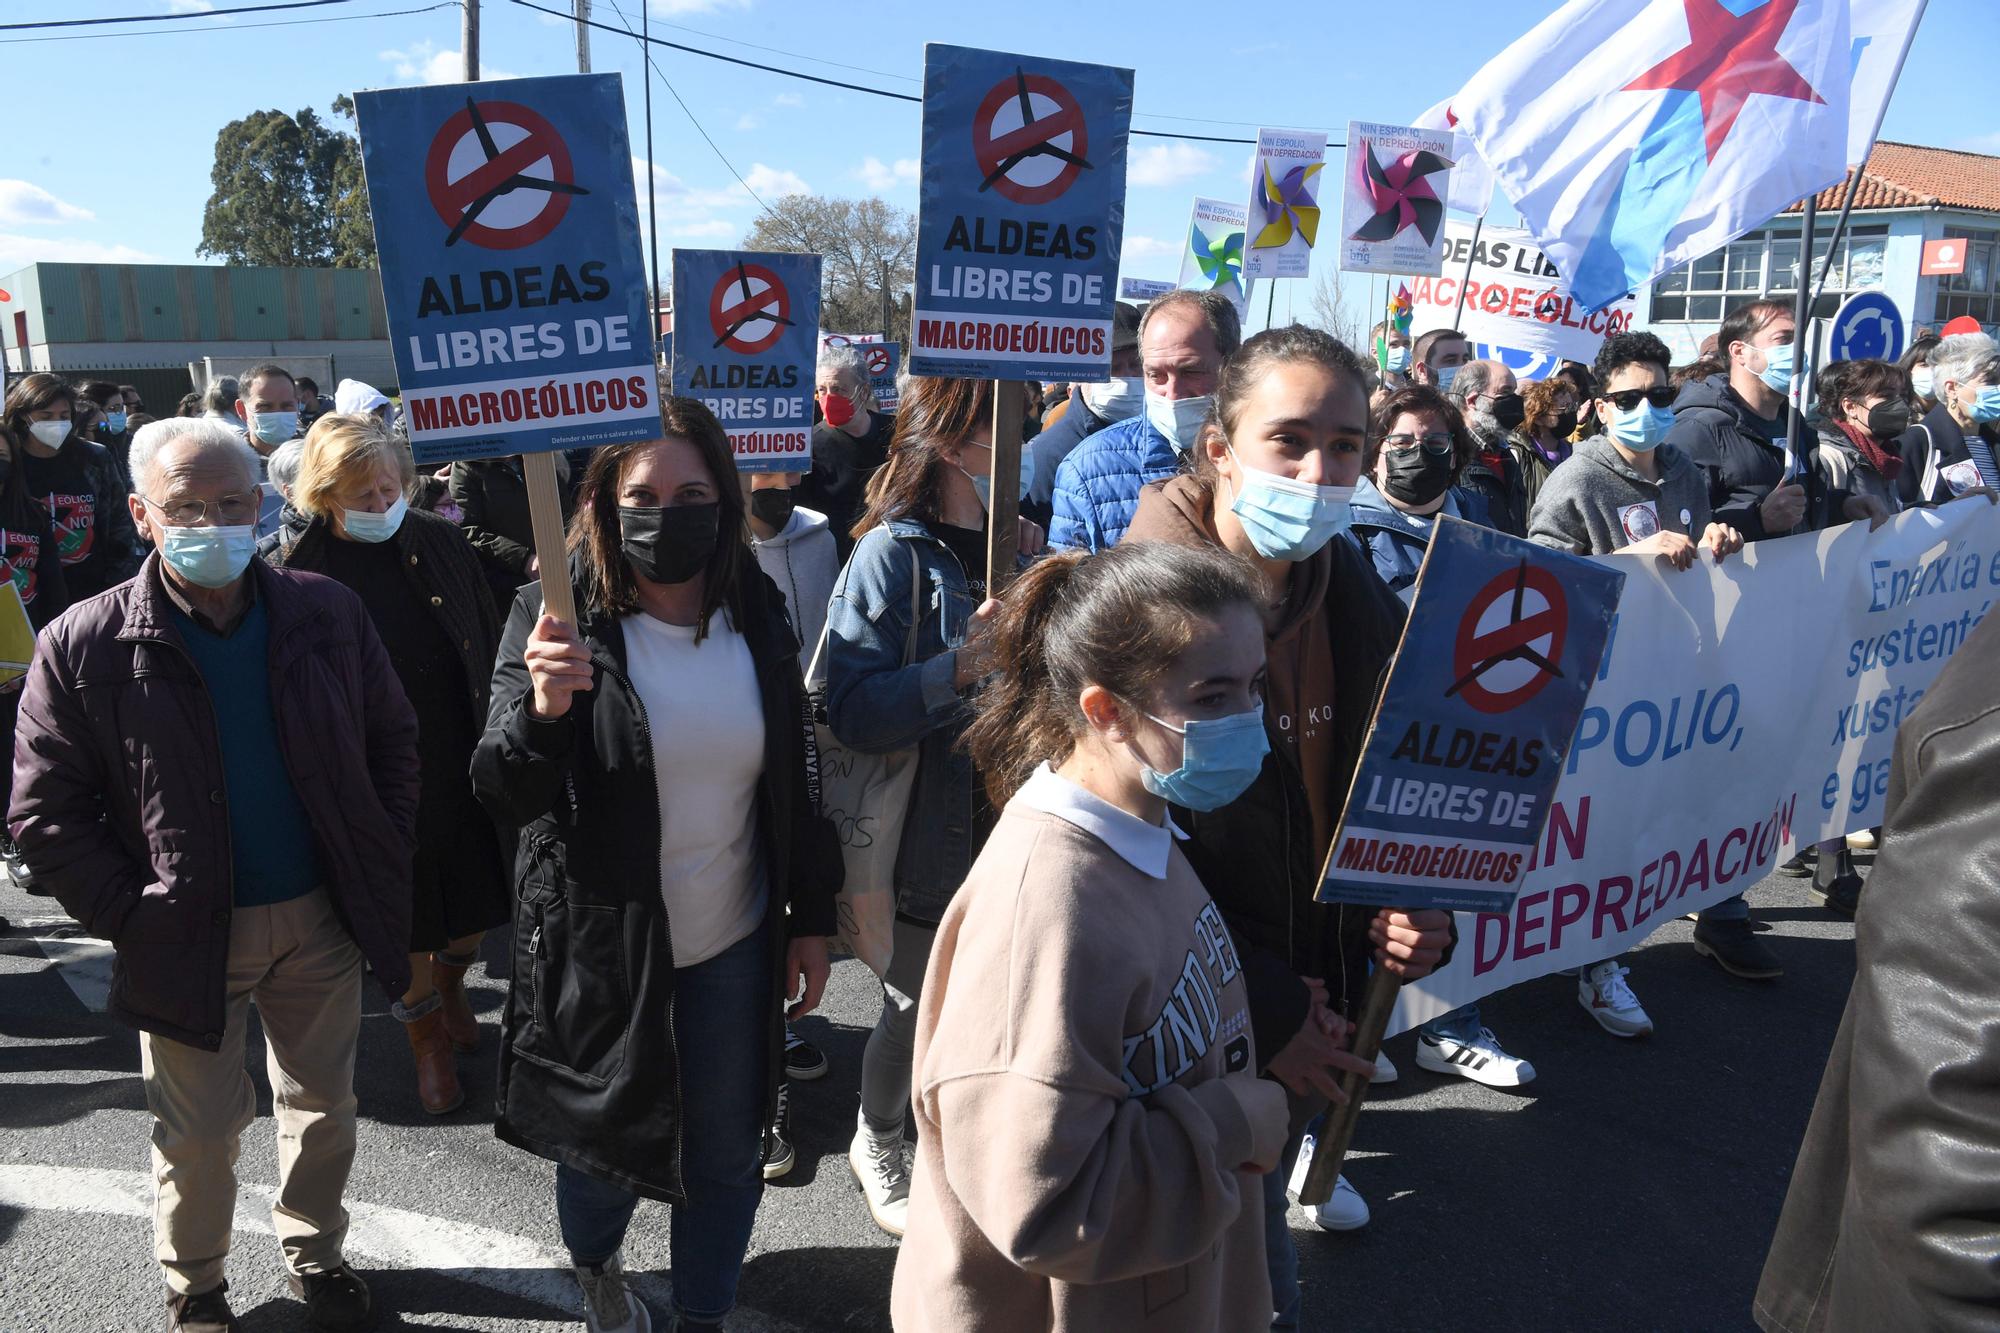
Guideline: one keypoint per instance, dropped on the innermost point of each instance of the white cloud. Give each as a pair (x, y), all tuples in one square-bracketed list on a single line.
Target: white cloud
[(879, 177), (1168, 164), (709, 230), (680, 8), (788, 99), (769, 182), (17, 252), (191, 6), (1146, 247), (23, 203), (747, 122), (423, 62)]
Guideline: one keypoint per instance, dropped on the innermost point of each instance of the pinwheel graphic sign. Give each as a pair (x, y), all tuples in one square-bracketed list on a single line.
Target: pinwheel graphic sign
[(1213, 258), (746, 344), (1392, 211), (1284, 203)]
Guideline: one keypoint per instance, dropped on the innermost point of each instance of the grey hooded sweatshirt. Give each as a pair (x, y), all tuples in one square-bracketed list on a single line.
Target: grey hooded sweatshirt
[(1595, 502)]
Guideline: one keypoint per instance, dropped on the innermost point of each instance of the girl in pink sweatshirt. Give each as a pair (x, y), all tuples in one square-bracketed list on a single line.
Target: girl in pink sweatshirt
[(1091, 1127)]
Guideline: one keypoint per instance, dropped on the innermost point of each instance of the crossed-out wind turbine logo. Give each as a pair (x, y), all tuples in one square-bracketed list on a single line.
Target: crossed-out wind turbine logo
[(495, 194)]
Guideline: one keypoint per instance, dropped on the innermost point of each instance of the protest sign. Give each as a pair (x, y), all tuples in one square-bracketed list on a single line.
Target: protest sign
[(847, 339), (1471, 732), (1212, 260), (1742, 711), (747, 349), (882, 359), (17, 632), (507, 232), (1392, 209), (1284, 203), (1021, 215), (1514, 297), (1142, 289)]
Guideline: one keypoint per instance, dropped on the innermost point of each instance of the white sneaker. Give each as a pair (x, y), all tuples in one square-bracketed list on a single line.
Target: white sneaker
[(1864, 841), (1385, 1070), (1480, 1059), (1602, 992), (883, 1177), (1345, 1211), (609, 1303)]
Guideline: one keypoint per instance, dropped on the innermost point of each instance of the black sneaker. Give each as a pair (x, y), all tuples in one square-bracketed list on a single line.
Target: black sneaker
[(206, 1312), (1736, 949), (779, 1156), (803, 1060), (336, 1302), (1800, 866), (1839, 887)]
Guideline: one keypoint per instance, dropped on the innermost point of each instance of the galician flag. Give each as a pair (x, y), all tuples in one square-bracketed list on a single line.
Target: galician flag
[(1636, 135)]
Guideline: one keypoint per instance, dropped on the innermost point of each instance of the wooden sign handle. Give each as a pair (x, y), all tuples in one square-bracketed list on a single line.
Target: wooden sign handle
[(1338, 1130), (545, 512), (1003, 517)]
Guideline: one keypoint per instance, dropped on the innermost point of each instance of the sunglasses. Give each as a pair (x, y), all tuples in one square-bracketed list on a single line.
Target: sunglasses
[(1627, 399)]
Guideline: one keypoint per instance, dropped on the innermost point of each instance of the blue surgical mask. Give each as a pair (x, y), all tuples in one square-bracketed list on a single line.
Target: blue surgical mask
[(1398, 360), (209, 557), (1641, 429), (1986, 403), (1220, 758), (1179, 419), (1921, 382), (984, 487), (274, 427), (1777, 371), (1116, 399), (115, 422), (1445, 375), (1288, 519), (365, 526)]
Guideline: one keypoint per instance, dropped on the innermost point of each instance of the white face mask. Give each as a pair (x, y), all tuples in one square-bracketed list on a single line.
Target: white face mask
[(1116, 399), (49, 434), (364, 525), (1179, 419)]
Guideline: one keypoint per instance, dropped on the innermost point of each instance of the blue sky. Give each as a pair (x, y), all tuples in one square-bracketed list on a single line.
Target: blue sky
[(125, 175)]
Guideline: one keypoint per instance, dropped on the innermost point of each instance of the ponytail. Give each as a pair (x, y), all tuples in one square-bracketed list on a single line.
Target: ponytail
[(1118, 620)]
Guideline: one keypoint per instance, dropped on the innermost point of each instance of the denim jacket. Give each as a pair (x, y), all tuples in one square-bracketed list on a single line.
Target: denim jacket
[(876, 704)]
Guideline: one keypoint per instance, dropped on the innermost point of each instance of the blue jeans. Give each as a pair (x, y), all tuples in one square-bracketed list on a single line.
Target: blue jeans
[(1281, 1257), (722, 1013), (1461, 1024)]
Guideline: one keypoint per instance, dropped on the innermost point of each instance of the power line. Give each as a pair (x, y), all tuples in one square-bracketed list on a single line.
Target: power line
[(227, 27), (152, 18), (864, 88)]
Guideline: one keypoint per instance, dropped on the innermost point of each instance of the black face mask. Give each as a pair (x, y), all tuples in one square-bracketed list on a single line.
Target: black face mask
[(1415, 476), (773, 507), (1888, 419), (669, 545), (1509, 410), (1565, 425)]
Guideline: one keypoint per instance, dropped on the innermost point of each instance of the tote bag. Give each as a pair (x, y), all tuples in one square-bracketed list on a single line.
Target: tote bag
[(866, 797)]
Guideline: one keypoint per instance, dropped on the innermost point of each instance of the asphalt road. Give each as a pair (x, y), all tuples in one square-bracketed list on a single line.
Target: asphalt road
[(1633, 1184)]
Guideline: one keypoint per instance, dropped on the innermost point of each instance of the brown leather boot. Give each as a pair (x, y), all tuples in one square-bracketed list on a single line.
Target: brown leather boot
[(449, 979), (437, 1076)]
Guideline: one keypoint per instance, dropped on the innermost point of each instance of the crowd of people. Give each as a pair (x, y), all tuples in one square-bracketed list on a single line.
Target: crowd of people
[(298, 711)]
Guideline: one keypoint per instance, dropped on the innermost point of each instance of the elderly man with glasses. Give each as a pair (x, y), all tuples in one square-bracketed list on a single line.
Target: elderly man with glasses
[(216, 770)]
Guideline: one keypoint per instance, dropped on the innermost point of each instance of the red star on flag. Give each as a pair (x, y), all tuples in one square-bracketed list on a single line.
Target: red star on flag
[(1727, 58)]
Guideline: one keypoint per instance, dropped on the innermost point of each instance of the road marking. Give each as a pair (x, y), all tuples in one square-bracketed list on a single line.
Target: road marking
[(388, 1237), (84, 963)]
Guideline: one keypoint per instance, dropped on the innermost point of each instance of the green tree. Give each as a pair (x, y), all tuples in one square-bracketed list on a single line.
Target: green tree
[(868, 251), (288, 192)]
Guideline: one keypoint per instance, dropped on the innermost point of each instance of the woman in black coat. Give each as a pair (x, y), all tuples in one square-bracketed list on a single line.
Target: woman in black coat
[(30, 561), (350, 519), (675, 881)]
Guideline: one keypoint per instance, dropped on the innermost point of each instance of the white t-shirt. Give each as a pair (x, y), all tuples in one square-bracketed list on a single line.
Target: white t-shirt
[(707, 720)]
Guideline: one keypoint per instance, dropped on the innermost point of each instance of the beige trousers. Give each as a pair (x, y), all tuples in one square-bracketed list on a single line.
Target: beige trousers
[(304, 971)]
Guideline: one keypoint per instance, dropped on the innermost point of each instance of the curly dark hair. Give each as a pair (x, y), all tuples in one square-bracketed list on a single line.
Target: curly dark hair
[(1630, 349)]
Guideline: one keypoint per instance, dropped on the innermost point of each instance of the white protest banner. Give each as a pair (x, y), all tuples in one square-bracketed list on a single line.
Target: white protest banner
[(847, 339), (1212, 259), (1284, 203), (1743, 711), (1142, 289), (1392, 214), (1514, 298)]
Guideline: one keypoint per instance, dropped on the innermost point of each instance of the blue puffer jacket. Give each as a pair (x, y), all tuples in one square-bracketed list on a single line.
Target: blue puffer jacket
[(876, 704), (1098, 485), (1395, 542)]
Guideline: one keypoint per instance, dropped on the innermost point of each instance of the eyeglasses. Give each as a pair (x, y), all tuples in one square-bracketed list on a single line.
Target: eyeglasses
[(230, 511), (1627, 399), (1437, 443)]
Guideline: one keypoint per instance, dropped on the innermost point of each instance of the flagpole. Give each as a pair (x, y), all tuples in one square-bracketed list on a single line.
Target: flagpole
[(1270, 302), (1478, 224), (1795, 424)]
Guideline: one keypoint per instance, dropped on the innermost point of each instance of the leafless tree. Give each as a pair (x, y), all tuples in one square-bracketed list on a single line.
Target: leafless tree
[(868, 249)]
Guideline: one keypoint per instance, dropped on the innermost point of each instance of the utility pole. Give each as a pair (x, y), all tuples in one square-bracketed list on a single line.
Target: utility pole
[(888, 331), (468, 34), (583, 36)]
